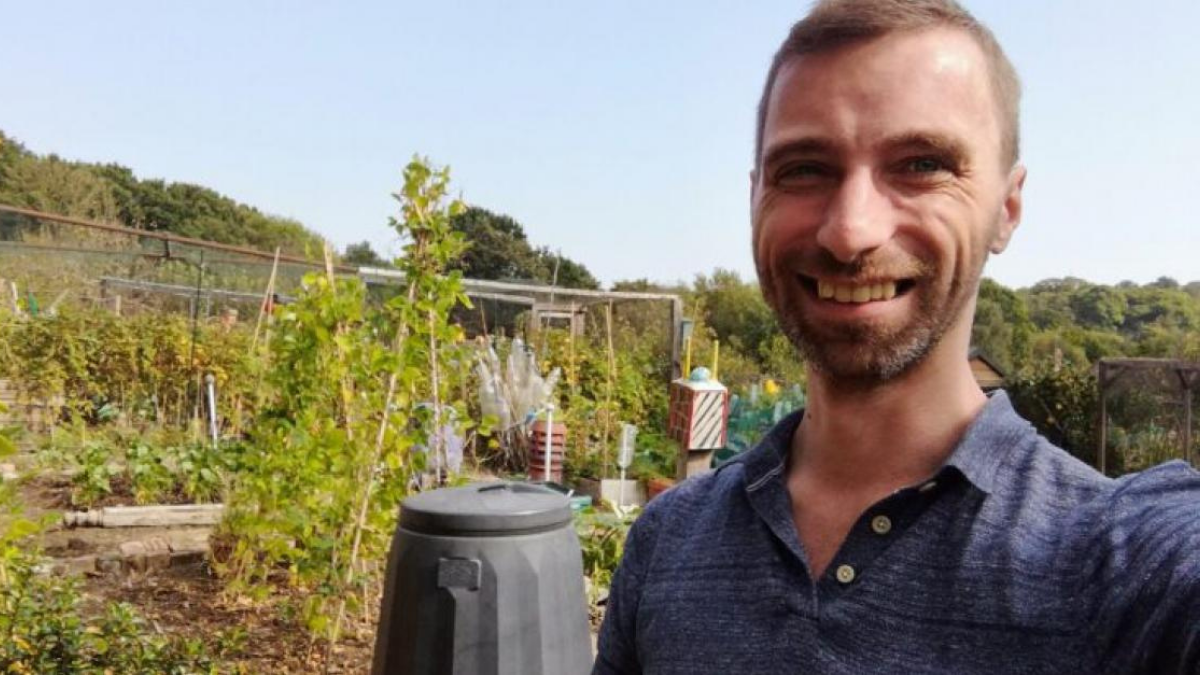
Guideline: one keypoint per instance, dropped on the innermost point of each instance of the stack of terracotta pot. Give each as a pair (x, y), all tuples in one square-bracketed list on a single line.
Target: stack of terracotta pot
[(537, 451)]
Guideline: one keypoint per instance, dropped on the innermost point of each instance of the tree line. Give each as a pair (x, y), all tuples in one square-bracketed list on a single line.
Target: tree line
[(111, 193)]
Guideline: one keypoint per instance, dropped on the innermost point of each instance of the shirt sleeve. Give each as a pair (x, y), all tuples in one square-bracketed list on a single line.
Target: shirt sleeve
[(617, 652), (1155, 570)]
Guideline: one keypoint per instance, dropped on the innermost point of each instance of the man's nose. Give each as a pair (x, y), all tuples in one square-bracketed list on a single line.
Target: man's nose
[(859, 218)]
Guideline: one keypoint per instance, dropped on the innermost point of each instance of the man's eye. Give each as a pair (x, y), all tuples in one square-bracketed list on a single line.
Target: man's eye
[(800, 173), (924, 165)]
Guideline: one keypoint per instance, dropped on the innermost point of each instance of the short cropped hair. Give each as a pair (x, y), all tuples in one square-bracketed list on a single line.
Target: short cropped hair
[(835, 23)]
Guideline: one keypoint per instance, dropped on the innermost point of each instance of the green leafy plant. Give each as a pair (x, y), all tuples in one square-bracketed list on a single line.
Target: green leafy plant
[(656, 456), (602, 541), (352, 389), (203, 470), (43, 630), (149, 477), (93, 479), (102, 368)]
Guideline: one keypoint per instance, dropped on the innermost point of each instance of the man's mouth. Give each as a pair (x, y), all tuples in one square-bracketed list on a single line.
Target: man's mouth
[(856, 292)]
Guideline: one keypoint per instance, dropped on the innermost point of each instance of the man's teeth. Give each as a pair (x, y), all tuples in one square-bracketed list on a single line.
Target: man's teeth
[(828, 290)]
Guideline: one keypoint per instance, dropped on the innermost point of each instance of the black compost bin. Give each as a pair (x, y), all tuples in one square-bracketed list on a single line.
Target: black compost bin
[(485, 579)]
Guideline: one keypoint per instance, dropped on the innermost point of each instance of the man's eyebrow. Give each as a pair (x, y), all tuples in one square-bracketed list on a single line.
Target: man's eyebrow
[(801, 146), (937, 143), (924, 141)]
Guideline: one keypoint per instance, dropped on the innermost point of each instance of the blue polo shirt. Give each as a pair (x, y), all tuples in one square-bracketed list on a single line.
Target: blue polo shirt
[(1013, 558)]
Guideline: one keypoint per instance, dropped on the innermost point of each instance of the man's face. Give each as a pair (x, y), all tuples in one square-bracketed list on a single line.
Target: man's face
[(880, 191)]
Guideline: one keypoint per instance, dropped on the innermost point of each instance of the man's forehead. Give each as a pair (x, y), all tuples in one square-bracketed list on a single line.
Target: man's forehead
[(924, 76)]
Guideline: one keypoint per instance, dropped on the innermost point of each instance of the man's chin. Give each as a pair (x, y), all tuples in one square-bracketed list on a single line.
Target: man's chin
[(865, 363)]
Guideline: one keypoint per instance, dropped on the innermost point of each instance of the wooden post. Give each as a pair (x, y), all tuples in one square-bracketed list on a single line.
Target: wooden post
[(608, 392), (676, 337), (572, 375), (1187, 416), (1101, 451), (146, 516), (266, 300)]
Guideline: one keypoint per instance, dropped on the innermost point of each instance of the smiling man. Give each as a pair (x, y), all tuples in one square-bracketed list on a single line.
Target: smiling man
[(903, 522)]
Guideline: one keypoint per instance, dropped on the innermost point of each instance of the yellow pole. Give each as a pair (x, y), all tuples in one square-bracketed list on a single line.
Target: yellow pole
[(716, 358), (687, 358)]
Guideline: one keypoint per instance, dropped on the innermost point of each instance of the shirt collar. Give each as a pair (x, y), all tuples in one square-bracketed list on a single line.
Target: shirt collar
[(984, 448), (978, 455)]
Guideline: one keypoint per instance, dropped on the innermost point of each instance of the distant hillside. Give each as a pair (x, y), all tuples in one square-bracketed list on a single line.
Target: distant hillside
[(112, 193)]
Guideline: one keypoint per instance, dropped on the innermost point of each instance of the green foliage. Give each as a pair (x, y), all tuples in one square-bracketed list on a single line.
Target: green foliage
[(754, 411), (602, 540), (596, 395), (498, 249), (752, 347), (1126, 310), (202, 471), (145, 467), (43, 630), (111, 193), (351, 391), (735, 311), (1002, 329), (363, 255), (145, 367), (1064, 405), (94, 475), (656, 456)]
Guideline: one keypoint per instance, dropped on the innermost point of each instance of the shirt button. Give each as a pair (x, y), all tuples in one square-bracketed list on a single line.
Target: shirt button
[(845, 574), (881, 524), (928, 486)]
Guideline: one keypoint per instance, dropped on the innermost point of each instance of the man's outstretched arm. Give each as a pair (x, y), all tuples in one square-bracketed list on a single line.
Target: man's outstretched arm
[(618, 647)]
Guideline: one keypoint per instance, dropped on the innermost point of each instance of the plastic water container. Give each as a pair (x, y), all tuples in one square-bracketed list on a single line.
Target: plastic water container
[(485, 579)]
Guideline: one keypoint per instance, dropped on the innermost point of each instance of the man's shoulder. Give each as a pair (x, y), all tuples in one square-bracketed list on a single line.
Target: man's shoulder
[(1160, 499), (1148, 520), (1040, 471)]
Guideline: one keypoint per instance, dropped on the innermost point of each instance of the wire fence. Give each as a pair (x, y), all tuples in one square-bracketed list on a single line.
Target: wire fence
[(48, 262)]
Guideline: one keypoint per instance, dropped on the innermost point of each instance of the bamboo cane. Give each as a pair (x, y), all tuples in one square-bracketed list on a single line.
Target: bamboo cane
[(262, 310)]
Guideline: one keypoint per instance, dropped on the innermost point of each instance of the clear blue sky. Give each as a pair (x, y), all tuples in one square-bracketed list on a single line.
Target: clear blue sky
[(619, 132)]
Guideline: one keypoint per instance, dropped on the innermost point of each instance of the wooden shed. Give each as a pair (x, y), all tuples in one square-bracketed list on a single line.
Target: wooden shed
[(986, 372)]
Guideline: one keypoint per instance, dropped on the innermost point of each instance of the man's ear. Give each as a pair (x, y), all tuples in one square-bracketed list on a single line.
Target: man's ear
[(753, 191), (1010, 210)]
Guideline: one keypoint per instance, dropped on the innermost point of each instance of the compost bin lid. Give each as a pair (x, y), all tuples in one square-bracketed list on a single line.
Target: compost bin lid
[(486, 509)]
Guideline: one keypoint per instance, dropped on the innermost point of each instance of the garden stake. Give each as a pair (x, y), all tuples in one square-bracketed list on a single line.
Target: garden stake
[(687, 357), (210, 382), (608, 390), (549, 436), (266, 303)]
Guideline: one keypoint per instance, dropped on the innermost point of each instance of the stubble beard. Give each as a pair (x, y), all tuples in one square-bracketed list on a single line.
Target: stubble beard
[(866, 355)]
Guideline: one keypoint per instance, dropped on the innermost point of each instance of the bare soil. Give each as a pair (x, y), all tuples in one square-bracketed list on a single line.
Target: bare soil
[(188, 599)]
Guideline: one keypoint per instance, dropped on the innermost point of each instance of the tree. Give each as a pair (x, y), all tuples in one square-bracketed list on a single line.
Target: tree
[(363, 255), (1153, 304), (1002, 328), (498, 247), (736, 312), (110, 192), (1100, 307), (499, 250), (564, 271)]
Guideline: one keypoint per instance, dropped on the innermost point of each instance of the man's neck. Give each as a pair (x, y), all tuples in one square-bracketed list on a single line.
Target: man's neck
[(854, 448), (884, 438)]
